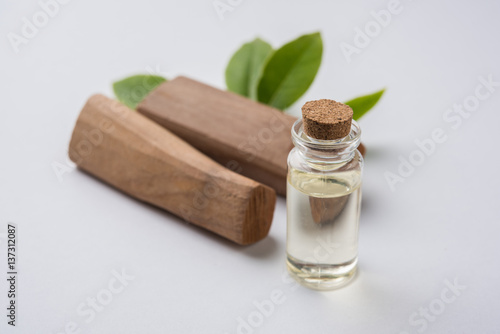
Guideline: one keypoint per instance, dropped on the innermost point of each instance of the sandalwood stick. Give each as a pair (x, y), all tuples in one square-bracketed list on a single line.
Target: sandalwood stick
[(142, 159)]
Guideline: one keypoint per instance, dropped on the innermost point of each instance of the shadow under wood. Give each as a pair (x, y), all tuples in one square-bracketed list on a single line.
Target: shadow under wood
[(261, 249)]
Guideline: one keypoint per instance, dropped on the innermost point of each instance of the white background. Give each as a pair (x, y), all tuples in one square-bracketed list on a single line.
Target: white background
[(441, 223)]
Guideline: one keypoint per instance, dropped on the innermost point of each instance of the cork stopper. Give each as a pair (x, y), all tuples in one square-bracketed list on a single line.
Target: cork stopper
[(326, 119)]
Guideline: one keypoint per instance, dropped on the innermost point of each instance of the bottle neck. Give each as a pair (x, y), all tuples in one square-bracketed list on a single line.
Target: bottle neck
[(326, 153)]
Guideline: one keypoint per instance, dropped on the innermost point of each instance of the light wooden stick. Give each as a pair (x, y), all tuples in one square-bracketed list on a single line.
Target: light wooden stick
[(229, 128), (142, 159)]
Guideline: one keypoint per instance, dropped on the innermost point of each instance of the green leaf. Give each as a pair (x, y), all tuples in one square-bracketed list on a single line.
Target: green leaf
[(362, 104), (132, 90), (290, 71), (245, 67)]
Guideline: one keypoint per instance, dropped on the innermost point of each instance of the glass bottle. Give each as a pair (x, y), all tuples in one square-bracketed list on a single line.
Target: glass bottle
[(323, 207)]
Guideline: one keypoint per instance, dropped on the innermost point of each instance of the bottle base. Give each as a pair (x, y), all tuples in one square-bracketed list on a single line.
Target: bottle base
[(322, 276)]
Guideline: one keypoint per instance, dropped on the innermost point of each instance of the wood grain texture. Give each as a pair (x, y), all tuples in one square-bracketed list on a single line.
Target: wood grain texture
[(142, 159), (235, 131)]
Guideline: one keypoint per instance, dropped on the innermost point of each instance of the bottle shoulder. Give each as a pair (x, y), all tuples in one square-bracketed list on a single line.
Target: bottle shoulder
[(297, 161)]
